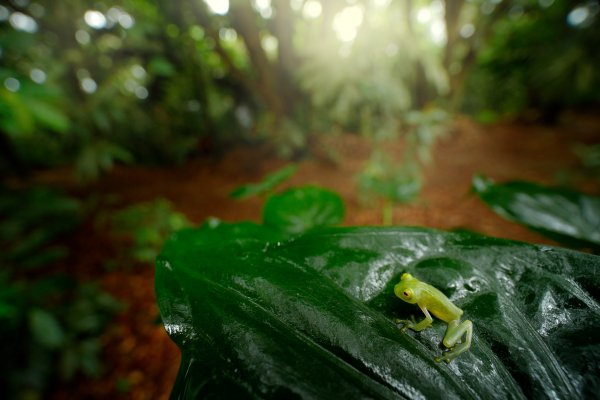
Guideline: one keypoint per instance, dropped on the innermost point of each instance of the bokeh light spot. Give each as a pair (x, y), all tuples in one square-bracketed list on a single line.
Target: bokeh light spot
[(347, 22), (578, 16), (138, 72), (37, 75), (270, 44), (95, 19), (88, 85), (12, 84), (4, 13), (220, 7), (228, 34), (82, 37), (312, 9), (141, 92), (467, 30), (264, 8), (23, 22)]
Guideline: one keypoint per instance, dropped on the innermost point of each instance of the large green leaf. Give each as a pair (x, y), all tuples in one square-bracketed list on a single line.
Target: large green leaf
[(563, 215), (257, 316)]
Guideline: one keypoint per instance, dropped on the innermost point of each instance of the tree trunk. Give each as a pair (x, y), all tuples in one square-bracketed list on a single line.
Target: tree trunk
[(452, 9), (287, 61), (457, 78), (244, 22)]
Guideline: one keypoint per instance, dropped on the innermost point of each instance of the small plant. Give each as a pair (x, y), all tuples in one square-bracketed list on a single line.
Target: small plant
[(400, 181), (51, 324), (381, 177), (146, 226), (31, 220)]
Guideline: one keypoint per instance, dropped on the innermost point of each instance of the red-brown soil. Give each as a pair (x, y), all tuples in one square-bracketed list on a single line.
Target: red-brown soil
[(138, 352)]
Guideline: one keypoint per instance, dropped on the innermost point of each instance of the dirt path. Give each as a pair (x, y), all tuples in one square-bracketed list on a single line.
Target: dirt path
[(141, 362)]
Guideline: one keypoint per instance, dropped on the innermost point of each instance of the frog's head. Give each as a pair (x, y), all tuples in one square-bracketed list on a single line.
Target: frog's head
[(405, 289)]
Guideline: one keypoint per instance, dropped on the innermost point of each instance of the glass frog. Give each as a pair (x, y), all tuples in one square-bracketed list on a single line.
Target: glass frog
[(431, 300)]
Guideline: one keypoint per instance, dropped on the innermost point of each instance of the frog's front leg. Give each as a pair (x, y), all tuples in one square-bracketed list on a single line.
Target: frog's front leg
[(421, 325), (454, 334)]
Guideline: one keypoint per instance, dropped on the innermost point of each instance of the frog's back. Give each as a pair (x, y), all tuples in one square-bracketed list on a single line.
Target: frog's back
[(439, 305)]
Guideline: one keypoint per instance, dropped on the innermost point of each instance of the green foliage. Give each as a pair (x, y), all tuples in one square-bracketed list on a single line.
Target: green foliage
[(563, 215), (146, 226), (31, 220), (313, 316), (99, 157), (157, 82), (132, 89), (537, 59), (50, 323), (427, 126), (267, 185), (30, 108)]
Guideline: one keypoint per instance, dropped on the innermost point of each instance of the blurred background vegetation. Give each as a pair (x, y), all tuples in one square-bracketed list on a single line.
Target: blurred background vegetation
[(93, 83), (86, 85)]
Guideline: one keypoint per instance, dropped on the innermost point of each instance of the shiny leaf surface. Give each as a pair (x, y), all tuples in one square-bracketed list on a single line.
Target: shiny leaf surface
[(313, 317), (566, 216)]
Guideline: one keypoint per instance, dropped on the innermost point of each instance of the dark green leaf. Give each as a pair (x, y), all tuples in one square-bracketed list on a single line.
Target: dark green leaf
[(312, 317), (68, 363), (161, 67), (563, 215), (266, 185), (48, 115), (46, 329), (298, 210)]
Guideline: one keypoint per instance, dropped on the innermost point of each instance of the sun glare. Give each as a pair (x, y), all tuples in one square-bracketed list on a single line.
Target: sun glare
[(432, 17), (220, 7), (312, 9), (264, 8), (347, 22)]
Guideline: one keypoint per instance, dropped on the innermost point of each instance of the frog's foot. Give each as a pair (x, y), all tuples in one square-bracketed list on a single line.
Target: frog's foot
[(452, 353), (444, 357), (457, 339), (406, 324)]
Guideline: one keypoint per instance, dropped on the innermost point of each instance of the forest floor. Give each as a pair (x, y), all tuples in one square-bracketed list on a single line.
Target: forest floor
[(141, 362)]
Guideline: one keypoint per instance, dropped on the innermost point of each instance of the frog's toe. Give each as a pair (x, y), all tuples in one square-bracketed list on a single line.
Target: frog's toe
[(443, 357)]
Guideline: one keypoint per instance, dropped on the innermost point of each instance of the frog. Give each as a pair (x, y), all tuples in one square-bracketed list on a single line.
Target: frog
[(457, 338)]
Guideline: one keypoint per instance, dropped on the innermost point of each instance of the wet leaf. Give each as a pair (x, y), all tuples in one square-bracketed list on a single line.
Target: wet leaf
[(563, 215), (257, 316)]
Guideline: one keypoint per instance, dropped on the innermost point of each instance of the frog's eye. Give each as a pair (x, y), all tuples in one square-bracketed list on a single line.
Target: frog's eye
[(407, 293)]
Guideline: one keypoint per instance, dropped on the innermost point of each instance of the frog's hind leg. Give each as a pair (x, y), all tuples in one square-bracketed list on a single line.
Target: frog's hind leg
[(454, 334)]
